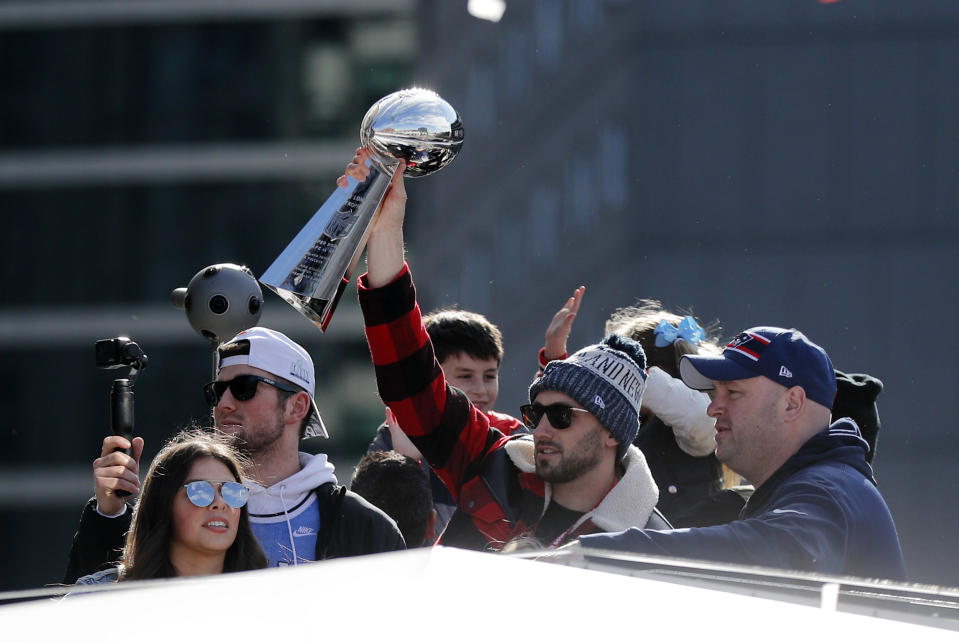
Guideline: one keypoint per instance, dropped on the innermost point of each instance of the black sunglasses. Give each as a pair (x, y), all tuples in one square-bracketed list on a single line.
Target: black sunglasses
[(242, 387), (560, 415), (202, 493)]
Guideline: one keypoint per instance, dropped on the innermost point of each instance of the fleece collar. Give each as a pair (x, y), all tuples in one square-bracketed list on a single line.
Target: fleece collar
[(629, 503)]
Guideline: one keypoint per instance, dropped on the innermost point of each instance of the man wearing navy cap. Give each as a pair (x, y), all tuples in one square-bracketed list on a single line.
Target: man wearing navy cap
[(816, 506)]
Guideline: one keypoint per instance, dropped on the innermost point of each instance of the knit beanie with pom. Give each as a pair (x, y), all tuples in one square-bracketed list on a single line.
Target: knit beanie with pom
[(607, 379)]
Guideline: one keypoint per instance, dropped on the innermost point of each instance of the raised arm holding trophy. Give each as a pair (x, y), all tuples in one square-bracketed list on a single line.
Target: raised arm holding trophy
[(414, 125)]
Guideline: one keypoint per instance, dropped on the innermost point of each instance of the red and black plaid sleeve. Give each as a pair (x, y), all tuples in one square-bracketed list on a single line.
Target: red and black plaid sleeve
[(438, 419)]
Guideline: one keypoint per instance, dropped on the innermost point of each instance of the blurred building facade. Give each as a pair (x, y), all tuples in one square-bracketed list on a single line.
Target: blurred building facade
[(139, 143), (790, 163), (784, 163)]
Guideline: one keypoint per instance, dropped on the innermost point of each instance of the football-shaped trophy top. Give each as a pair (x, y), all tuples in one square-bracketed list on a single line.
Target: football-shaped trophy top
[(415, 125)]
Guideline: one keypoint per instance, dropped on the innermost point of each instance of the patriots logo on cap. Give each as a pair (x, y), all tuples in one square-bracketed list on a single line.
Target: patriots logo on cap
[(749, 345)]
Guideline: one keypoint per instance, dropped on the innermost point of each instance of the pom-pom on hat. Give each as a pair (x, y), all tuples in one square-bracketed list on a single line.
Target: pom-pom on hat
[(607, 379)]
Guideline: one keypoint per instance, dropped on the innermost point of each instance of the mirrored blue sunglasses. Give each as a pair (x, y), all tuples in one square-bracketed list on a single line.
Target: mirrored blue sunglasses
[(202, 493)]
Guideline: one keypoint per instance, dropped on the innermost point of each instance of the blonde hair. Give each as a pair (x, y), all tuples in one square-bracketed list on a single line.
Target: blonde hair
[(639, 322)]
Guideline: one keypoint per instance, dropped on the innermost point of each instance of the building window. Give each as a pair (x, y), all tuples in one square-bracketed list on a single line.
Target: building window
[(481, 100), (544, 223), (514, 63), (582, 197), (584, 15), (614, 162), (549, 34)]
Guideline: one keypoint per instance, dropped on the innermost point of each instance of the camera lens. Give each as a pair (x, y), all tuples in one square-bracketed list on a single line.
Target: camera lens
[(254, 304), (219, 304)]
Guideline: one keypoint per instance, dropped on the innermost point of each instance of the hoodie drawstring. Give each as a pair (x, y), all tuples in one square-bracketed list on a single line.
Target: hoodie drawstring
[(289, 527)]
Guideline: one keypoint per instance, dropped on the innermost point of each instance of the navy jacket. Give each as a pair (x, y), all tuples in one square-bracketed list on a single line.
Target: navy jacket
[(819, 512)]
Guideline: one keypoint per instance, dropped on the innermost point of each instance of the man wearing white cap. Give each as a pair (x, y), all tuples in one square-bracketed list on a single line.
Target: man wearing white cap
[(264, 396)]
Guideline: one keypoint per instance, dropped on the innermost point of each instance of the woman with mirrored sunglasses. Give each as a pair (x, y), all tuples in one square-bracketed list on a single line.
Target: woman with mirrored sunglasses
[(191, 516)]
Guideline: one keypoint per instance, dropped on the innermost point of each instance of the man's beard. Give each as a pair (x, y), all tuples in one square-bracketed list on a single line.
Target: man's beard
[(239, 443), (252, 441), (583, 456)]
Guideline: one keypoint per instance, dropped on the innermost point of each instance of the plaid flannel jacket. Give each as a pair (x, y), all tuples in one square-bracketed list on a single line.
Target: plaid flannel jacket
[(496, 501)]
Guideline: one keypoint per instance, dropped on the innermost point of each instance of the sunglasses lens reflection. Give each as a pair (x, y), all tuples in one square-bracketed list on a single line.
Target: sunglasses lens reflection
[(200, 493), (234, 494), (560, 416), (242, 388), (530, 415)]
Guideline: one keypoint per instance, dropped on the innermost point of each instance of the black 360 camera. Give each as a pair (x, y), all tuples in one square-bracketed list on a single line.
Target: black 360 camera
[(117, 353)]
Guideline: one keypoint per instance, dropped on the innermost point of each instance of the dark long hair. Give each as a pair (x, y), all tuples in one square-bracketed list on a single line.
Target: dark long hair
[(147, 551)]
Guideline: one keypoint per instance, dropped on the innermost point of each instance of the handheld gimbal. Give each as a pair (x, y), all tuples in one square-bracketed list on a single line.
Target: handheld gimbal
[(117, 353)]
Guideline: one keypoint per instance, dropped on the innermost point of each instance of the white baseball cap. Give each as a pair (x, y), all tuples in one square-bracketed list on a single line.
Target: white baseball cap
[(279, 355)]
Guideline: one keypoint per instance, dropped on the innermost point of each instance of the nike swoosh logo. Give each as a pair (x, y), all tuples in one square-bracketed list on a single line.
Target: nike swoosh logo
[(785, 511)]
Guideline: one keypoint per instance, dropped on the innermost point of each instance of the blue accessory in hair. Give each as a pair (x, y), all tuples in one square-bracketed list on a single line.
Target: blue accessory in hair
[(688, 330)]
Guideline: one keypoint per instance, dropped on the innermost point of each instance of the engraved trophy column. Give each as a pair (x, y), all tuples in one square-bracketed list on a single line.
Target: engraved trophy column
[(311, 273)]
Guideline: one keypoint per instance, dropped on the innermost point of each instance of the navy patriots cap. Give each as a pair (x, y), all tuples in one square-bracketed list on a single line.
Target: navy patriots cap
[(785, 356)]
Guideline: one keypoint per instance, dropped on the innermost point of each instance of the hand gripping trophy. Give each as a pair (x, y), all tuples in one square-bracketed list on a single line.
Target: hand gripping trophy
[(314, 269)]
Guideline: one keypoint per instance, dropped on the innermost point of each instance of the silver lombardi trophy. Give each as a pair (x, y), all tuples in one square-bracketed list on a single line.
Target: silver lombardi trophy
[(413, 124)]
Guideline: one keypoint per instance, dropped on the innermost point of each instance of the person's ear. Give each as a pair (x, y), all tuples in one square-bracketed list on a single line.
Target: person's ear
[(795, 401), (297, 407)]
